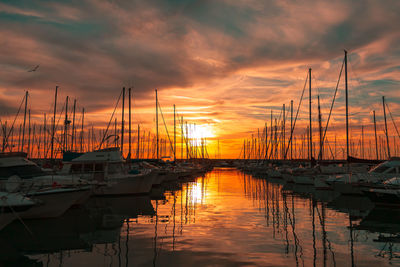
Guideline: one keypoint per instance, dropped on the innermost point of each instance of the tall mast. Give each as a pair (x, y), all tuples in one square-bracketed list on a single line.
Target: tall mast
[(283, 133), (266, 141), (29, 132), (187, 141), (138, 142), (130, 123), (157, 138), (73, 128), (23, 127), (376, 138), (347, 105), (362, 141), (320, 131), (182, 137), (54, 125), (123, 121), (386, 129), (44, 137), (83, 119), (174, 135), (66, 125), (291, 129), (310, 128), (115, 132), (4, 128)]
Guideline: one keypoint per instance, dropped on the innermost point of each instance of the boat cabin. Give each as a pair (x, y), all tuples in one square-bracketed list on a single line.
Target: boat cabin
[(17, 164), (96, 165)]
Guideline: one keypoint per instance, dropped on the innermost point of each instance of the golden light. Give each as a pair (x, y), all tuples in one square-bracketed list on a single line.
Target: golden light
[(201, 131)]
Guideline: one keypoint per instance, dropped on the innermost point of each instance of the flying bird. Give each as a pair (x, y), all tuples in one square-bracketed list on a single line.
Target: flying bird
[(34, 69)]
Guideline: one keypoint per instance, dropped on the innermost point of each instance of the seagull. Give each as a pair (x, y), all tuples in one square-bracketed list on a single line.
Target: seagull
[(34, 69)]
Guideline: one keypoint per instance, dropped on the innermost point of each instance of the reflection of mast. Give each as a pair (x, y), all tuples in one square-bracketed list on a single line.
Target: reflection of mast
[(351, 241), (285, 223), (127, 242), (155, 236), (173, 229), (181, 209), (324, 237), (313, 233)]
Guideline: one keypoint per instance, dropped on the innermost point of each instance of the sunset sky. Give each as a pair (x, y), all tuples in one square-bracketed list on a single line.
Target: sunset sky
[(225, 64)]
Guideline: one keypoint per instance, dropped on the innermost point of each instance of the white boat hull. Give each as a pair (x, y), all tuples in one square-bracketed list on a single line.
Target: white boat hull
[(129, 185), (54, 205)]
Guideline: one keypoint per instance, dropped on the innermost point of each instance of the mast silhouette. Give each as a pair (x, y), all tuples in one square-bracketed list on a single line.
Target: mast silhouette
[(157, 141), (386, 129), (347, 105), (310, 128)]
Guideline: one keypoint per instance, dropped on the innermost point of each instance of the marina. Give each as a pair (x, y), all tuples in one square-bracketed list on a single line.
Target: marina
[(224, 217), (199, 133)]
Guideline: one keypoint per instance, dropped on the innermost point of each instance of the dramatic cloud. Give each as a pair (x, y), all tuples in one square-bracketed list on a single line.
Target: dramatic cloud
[(223, 63)]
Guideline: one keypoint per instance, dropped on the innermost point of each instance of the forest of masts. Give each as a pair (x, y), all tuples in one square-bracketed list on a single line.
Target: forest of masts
[(279, 139), (66, 130)]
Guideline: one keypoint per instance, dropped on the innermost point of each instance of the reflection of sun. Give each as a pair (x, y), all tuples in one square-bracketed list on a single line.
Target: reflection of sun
[(197, 193)]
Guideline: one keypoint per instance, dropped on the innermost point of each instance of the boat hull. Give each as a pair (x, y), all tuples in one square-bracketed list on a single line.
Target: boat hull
[(130, 185), (54, 204)]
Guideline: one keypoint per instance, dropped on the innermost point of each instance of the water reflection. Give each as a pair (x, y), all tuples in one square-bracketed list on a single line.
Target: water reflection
[(224, 218)]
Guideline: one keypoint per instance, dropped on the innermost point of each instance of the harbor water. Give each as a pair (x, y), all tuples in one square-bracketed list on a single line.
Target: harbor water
[(225, 218)]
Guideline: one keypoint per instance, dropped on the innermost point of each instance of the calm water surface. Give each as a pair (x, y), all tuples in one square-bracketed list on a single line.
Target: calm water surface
[(226, 218)]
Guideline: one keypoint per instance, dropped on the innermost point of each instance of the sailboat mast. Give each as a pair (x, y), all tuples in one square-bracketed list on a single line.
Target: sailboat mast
[(123, 121), (73, 127), (29, 132), (23, 127), (310, 128), (347, 105), (386, 129), (376, 138), (83, 119), (174, 134), (182, 137), (291, 129), (283, 133), (130, 124), (362, 141), (320, 130), (138, 142), (66, 125), (54, 125), (157, 138)]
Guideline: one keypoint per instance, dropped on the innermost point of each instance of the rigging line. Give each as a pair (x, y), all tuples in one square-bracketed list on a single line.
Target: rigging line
[(166, 129), (109, 122), (277, 127), (297, 114), (185, 137), (15, 118), (395, 126), (333, 102)]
